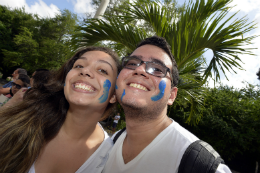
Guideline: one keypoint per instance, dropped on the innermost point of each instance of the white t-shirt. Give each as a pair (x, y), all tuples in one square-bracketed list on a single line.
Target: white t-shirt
[(97, 160), (117, 116), (162, 155)]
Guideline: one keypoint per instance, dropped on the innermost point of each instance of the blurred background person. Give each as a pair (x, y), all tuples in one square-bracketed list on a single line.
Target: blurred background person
[(116, 119), (40, 77), (23, 81), (5, 89)]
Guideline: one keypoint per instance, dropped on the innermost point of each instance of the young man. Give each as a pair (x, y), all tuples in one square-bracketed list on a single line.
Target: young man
[(152, 142), (115, 122)]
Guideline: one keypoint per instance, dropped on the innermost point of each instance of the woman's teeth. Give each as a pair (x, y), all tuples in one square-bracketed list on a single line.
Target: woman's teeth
[(84, 87)]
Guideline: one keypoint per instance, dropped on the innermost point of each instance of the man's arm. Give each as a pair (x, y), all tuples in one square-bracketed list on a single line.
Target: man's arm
[(4, 91), (18, 97), (116, 118)]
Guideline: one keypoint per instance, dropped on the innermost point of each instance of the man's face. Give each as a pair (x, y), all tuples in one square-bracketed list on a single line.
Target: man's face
[(138, 89), (15, 74), (18, 83), (31, 79)]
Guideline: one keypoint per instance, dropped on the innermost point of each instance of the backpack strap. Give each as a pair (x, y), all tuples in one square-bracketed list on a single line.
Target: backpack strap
[(200, 157), (118, 134)]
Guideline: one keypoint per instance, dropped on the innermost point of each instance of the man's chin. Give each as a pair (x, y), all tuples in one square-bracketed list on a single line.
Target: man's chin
[(132, 104)]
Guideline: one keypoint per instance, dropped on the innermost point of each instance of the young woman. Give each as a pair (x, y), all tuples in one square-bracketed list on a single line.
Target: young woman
[(55, 129)]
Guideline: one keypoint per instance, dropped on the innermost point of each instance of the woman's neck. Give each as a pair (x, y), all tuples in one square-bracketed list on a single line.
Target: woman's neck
[(81, 123)]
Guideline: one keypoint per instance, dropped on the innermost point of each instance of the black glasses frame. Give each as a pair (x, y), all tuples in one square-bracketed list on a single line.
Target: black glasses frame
[(17, 86), (145, 62)]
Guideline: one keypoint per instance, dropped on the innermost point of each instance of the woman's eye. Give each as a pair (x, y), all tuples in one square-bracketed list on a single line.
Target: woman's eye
[(103, 71), (78, 66)]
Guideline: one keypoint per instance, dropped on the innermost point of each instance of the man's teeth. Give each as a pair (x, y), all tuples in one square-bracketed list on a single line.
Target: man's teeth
[(83, 87), (135, 85)]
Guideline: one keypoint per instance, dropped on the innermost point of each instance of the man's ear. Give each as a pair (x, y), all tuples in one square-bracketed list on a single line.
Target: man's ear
[(113, 98), (173, 95)]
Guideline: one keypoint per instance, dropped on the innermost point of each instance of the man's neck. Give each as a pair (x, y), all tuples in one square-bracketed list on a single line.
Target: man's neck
[(141, 133)]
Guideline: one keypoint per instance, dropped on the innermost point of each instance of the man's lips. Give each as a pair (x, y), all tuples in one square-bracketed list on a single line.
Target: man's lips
[(138, 86), (84, 86)]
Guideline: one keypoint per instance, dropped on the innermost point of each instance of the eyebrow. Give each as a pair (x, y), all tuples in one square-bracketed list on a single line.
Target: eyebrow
[(102, 61), (158, 61), (152, 58)]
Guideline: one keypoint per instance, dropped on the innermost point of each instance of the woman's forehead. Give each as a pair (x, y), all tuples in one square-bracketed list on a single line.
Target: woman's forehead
[(98, 57)]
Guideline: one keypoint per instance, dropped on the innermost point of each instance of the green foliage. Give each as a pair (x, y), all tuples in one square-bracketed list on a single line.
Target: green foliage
[(190, 32), (230, 120), (114, 10), (121, 124), (30, 42)]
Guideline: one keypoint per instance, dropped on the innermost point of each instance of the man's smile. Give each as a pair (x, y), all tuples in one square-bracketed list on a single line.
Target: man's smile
[(138, 86)]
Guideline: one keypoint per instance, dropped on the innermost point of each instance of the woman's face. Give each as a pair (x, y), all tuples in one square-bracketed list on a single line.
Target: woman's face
[(91, 81)]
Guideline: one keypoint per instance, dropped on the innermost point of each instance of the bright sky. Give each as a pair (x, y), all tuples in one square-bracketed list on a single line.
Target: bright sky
[(251, 8)]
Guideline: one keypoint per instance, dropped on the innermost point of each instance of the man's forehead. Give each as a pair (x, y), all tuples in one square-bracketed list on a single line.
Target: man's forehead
[(152, 53)]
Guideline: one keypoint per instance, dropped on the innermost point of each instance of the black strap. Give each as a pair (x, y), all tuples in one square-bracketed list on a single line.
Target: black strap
[(118, 134), (200, 157)]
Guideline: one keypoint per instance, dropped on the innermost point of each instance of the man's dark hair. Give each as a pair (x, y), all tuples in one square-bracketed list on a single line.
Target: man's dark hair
[(25, 79), (162, 43), (22, 71)]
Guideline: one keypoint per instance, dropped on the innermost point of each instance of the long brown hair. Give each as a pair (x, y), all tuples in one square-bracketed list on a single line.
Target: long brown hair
[(25, 127)]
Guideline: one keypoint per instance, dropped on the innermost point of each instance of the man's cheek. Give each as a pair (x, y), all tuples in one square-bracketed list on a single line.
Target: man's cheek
[(162, 86), (123, 94)]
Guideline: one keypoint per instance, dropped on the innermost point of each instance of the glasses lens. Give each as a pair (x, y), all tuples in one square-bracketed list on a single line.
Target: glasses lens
[(131, 63), (16, 86), (156, 69)]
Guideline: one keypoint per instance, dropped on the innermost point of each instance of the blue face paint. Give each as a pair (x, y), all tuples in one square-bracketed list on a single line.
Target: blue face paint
[(106, 86), (123, 95), (162, 86), (64, 84), (116, 87)]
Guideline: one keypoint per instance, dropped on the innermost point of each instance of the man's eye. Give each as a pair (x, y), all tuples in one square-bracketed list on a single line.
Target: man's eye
[(78, 66), (131, 63), (157, 70), (103, 71)]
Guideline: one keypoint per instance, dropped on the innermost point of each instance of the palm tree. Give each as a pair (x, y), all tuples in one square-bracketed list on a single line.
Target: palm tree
[(202, 26)]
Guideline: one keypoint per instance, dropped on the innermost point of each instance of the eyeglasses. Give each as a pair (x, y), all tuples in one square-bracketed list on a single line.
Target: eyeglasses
[(16, 85), (153, 68)]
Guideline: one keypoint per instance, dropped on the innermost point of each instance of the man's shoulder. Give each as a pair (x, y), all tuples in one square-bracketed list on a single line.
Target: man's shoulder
[(180, 133)]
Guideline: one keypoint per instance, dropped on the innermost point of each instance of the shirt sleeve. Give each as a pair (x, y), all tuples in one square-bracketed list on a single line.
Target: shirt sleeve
[(223, 169)]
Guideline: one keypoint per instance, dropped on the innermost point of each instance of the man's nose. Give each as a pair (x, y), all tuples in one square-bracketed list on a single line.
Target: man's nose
[(140, 70)]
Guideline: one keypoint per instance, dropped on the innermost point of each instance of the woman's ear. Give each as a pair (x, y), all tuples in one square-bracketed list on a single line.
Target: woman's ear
[(113, 98)]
